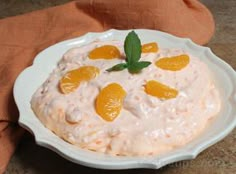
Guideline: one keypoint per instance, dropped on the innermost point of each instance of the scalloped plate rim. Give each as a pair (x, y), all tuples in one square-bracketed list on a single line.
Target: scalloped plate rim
[(155, 162)]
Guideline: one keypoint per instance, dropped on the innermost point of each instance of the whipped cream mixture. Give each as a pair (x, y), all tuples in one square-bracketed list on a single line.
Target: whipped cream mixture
[(146, 125)]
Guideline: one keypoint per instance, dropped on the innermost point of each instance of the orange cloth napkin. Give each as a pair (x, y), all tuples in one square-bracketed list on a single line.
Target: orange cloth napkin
[(22, 37)]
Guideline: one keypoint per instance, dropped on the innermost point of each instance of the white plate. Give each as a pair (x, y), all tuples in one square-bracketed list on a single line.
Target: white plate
[(32, 77)]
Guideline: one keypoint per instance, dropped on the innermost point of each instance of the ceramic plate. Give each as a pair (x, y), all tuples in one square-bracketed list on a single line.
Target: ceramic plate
[(32, 77)]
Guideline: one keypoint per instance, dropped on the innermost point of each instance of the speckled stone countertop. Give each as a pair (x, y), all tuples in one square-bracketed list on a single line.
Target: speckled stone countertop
[(218, 159)]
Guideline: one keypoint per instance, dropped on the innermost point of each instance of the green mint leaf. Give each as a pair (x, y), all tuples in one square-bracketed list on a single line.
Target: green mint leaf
[(118, 67), (132, 47), (138, 66)]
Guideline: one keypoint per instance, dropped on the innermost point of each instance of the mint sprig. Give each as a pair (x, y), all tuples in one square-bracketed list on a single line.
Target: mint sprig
[(133, 51), (138, 66)]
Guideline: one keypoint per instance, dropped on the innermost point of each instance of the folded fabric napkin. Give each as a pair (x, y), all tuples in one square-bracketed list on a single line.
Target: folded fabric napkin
[(22, 37)]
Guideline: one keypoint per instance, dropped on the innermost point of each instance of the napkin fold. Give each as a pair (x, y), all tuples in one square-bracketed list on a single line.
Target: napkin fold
[(183, 18), (22, 37)]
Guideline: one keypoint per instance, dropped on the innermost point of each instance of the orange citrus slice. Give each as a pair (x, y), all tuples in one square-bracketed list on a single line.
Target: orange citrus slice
[(109, 101), (71, 80), (174, 63), (150, 48), (105, 52), (160, 90)]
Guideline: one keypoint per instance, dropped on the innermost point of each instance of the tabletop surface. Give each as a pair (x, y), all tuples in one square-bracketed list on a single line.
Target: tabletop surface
[(218, 159)]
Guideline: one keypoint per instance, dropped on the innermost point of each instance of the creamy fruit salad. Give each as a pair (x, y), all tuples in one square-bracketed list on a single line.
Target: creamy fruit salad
[(102, 99)]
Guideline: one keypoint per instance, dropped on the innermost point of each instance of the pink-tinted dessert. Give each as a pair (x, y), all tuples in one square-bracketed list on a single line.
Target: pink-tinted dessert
[(146, 125)]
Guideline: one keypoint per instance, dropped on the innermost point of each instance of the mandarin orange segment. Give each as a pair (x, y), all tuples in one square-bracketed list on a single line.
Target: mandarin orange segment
[(105, 52), (174, 63), (87, 73), (109, 101), (150, 48), (160, 90), (71, 80)]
